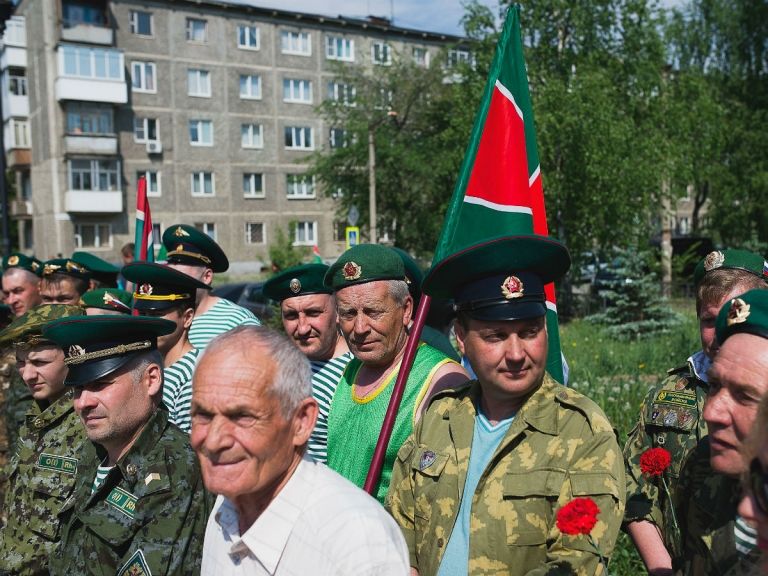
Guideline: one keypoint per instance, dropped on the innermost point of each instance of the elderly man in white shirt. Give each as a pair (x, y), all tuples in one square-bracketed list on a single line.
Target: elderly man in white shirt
[(278, 512)]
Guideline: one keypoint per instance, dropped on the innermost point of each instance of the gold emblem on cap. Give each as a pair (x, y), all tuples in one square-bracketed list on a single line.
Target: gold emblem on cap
[(512, 287), (180, 232), (72, 267), (35, 266), (738, 313), (295, 285), (13, 260), (75, 351), (145, 289), (50, 269), (352, 271), (714, 260)]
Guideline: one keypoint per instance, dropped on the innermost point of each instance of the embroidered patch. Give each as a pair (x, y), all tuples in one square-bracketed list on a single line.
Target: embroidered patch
[(151, 477), (123, 501), (136, 566), (427, 459), (57, 463), (677, 398)]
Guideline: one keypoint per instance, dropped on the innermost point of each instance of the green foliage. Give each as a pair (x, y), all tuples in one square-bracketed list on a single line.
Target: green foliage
[(282, 253)]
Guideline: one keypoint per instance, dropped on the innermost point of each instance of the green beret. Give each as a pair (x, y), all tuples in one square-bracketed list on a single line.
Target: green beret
[(187, 245), (96, 346), (748, 313), (27, 329), (19, 260), (364, 263), (66, 267), (108, 299), (733, 260), (100, 269), (159, 287), (297, 281)]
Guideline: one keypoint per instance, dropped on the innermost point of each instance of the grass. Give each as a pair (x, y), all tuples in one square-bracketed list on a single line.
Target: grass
[(617, 375)]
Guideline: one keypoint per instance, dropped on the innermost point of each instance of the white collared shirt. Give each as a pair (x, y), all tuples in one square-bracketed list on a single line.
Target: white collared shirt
[(318, 524)]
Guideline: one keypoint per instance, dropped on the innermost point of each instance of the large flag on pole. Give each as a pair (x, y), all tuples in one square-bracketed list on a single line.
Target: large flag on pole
[(499, 190), (144, 250)]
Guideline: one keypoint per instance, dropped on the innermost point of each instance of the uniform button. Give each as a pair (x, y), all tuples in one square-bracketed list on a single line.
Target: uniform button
[(131, 469), (39, 423), (439, 542)]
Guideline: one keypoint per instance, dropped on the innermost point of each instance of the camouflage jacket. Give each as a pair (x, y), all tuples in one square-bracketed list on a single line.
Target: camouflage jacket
[(148, 516), (671, 418), (42, 476), (560, 446), (18, 401)]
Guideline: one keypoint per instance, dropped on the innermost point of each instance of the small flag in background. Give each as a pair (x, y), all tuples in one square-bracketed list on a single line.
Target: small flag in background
[(316, 258), (144, 250)]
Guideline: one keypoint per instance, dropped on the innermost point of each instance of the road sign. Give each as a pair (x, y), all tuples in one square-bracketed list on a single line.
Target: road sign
[(353, 236), (353, 215)]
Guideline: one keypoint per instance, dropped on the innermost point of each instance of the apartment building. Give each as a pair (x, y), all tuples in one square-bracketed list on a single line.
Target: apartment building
[(213, 102)]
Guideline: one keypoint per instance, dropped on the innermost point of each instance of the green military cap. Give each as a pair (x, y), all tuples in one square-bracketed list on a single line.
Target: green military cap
[(100, 269), (734, 260), (364, 263), (96, 346), (297, 281), (112, 299), (66, 267), (19, 260), (27, 329), (187, 245), (160, 287), (502, 278), (748, 313)]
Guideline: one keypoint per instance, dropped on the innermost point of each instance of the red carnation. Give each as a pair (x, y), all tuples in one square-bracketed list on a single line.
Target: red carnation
[(654, 461), (579, 516)]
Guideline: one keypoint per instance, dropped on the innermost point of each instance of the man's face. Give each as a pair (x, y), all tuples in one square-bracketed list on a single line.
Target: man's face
[(707, 319), (43, 370), (245, 444), (372, 322), (59, 291), (310, 321), (22, 293), (182, 319), (509, 357), (738, 379)]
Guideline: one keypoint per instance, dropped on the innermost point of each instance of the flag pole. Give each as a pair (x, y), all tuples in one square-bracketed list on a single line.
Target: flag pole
[(377, 462)]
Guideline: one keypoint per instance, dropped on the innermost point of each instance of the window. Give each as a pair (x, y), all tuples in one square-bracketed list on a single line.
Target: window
[(247, 37), (141, 23), (338, 48), (93, 236), (250, 86), (207, 228), (20, 133), (95, 63), (153, 181), (381, 53), (300, 186), (201, 132), (199, 83), (421, 57), (254, 232), (458, 56), (253, 185), (251, 136), (306, 234), (94, 175), (157, 233), (298, 137), (76, 13), (297, 91), (202, 184), (342, 93), (17, 82), (143, 76), (338, 138), (197, 30), (89, 119), (295, 43), (145, 129)]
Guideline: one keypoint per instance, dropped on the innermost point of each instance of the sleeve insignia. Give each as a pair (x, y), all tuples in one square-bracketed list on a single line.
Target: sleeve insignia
[(123, 501), (150, 477), (427, 459), (136, 566)]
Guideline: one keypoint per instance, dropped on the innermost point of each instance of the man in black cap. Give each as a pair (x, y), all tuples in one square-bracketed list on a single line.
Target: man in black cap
[(163, 292), (64, 281), (195, 253), (139, 505), (477, 486)]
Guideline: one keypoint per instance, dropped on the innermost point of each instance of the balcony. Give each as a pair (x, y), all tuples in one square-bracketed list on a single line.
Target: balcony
[(91, 75), (21, 209), (13, 49), (87, 33), (14, 106), (93, 202), (90, 144), (19, 158), (16, 134)]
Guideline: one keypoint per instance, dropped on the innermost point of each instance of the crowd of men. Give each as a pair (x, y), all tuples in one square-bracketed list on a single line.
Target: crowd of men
[(163, 430)]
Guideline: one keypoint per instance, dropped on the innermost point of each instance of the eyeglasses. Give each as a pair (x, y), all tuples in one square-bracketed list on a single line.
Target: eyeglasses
[(758, 484)]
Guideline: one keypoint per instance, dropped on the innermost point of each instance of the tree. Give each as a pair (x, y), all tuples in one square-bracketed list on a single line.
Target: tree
[(282, 253)]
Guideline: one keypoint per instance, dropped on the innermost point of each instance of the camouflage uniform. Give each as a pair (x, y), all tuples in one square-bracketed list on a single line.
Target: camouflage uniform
[(670, 417), (560, 446), (7, 361), (42, 477), (149, 514), (18, 401)]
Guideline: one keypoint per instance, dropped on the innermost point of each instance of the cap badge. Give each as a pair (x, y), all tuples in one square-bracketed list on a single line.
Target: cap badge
[(50, 269), (145, 289), (34, 265), (295, 285), (180, 232), (13, 260), (352, 271), (427, 459), (714, 260), (72, 267), (512, 287), (76, 350), (738, 313)]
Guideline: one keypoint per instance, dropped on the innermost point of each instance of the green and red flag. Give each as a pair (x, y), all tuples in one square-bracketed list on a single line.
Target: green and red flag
[(144, 249), (499, 190)]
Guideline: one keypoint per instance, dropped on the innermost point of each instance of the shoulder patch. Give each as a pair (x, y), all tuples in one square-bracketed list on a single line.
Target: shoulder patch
[(123, 501), (136, 566), (57, 463), (686, 398)]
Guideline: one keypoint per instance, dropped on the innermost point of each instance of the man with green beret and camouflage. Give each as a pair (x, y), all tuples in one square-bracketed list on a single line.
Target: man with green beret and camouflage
[(139, 505), (670, 417), (107, 301), (64, 281), (375, 310), (308, 312), (476, 489), (196, 254), (47, 453)]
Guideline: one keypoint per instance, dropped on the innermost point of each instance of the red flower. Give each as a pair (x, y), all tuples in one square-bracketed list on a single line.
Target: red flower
[(654, 461), (579, 516)]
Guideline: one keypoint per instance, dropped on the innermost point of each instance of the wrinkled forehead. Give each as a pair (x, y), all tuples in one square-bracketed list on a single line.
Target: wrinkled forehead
[(362, 295)]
